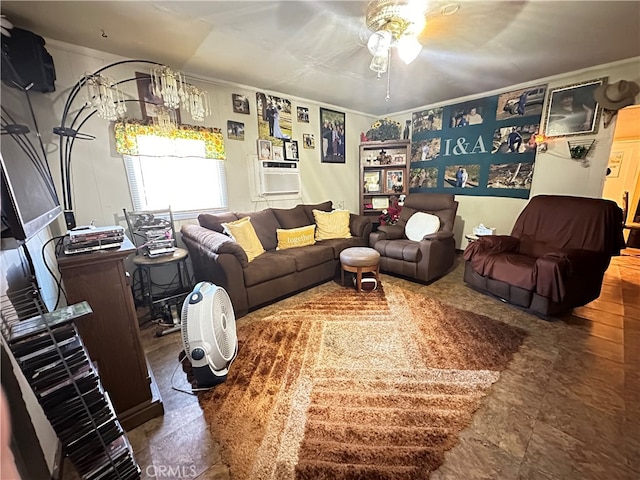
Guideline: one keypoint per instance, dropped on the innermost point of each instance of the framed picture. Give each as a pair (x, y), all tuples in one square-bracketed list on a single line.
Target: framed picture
[(572, 110), (394, 181), (380, 203), (240, 103), (332, 129), (291, 150), (372, 181), (308, 141), (235, 130), (150, 103), (398, 158), (265, 150), (303, 114), (274, 118), (278, 152)]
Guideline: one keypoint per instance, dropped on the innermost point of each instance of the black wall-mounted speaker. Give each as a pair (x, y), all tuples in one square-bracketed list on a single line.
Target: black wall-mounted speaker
[(26, 61)]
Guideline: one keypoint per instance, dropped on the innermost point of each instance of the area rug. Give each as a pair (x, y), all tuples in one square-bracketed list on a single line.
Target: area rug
[(371, 385)]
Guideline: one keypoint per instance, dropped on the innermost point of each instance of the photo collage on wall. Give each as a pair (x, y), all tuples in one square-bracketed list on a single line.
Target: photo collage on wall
[(483, 147)]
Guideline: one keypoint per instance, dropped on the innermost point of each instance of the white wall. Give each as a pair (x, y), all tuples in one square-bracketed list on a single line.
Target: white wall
[(99, 181)]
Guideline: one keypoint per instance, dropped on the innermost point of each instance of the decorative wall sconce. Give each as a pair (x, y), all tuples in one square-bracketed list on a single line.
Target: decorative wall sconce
[(579, 149)]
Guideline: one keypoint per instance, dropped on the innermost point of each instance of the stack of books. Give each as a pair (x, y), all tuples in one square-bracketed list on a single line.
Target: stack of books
[(65, 382), (89, 239)]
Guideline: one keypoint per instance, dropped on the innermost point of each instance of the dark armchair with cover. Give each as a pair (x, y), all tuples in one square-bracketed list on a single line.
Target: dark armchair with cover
[(431, 253), (554, 259)]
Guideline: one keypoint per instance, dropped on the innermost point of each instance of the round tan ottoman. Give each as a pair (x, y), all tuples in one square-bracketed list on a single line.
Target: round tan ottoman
[(359, 260)]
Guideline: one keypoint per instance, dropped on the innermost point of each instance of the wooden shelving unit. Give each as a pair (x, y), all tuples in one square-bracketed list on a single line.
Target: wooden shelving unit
[(55, 362), (384, 172)]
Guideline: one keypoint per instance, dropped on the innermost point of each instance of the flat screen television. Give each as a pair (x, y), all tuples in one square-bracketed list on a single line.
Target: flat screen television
[(29, 198)]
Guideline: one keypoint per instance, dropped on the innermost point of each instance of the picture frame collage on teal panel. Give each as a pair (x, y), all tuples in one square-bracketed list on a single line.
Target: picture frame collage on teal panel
[(481, 147)]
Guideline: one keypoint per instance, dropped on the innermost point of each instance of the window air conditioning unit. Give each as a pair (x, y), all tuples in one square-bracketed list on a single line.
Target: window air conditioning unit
[(278, 178)]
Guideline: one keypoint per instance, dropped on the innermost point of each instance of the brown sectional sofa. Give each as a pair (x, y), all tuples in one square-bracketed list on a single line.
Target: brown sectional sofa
[(276, 273)]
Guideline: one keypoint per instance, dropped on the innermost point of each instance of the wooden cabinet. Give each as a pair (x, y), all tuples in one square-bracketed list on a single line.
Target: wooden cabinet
[(111, 334), (384, 173)]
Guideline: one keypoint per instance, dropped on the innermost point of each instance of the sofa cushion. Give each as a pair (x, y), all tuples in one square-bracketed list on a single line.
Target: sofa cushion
[(324, 207), (333, 224), (268, 266), (265, 224), (242, 231), (214, 221), (291, 217), (421, 224), (309, 256), (296, 237)]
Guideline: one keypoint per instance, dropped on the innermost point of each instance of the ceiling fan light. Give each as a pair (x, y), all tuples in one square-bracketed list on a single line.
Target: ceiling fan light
[(379, 63), (415, 16), (408, 48), (379, 42)]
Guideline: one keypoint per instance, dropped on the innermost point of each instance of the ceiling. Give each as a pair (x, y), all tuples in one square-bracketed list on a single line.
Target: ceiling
[(316, 49)]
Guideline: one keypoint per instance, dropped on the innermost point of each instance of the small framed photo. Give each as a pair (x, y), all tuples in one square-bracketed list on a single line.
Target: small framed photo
[(572, 110), (235, 130), (291, 150), (380, 203), (394, 181), (308, 141), (372, 181), (399, 159), (265, 150), (150, 103), (240, 103), (303, 114), (278, 152)]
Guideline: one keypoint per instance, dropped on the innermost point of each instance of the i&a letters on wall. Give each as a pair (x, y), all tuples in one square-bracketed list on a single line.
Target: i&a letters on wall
[(483, 147)]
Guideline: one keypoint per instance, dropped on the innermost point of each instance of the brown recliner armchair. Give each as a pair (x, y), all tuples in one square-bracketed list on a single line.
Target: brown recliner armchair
[(554, 259), (426, 259)]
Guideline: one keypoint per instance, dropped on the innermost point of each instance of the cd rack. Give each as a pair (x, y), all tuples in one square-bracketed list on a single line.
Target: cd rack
[(56, 364)]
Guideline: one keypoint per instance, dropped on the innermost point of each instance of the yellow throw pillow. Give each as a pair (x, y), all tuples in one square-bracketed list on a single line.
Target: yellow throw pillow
[(242, 231), (333, 224), (295, 237)]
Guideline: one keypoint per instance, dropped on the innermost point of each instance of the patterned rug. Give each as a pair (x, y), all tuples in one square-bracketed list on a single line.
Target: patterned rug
[(375, 385)]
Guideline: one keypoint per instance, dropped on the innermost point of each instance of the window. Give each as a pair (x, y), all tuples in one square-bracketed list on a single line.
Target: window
[(174, 172)]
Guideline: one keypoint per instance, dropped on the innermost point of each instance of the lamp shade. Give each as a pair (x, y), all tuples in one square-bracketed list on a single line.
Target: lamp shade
[(408, 48), (379, 42)]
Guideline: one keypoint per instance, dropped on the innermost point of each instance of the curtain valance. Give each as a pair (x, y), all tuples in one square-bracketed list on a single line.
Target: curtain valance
[(128, 131)]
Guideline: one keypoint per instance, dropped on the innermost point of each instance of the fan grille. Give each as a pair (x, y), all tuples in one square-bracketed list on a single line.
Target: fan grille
[(224, 317)]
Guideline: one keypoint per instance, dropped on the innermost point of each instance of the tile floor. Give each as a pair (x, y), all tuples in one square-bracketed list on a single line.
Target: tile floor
[(567, 407)]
